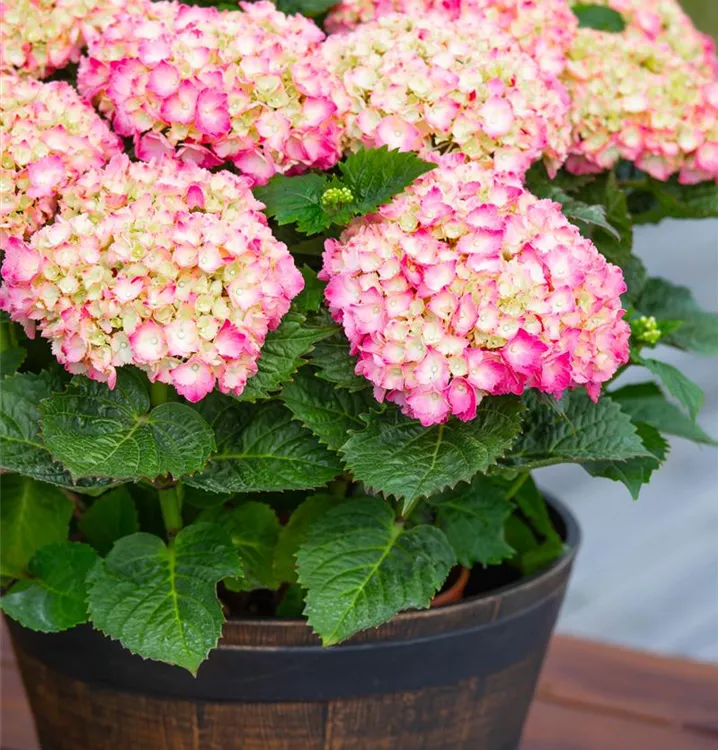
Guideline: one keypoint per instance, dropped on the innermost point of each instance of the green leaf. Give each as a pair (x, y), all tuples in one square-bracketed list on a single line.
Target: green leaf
[(635, 472), (677, 384), (532, 504), (645, 402), (473, 516), (360, 567), (309, 8), (161, 602), (200, 499), (32, 515), (21, 446), (310, 298), (112, 516), (655, 200), (329, 412), (54, 598), (334, 363), (667, 301), (578, 211), (614, 243), (296, 200), (254, 529), (96, 431), (599, 17), (577, 431), (292, 604), (376, 175), (11, 359), (262, 449), (294, 532), (370, 177), (283, 354), (397, 456)]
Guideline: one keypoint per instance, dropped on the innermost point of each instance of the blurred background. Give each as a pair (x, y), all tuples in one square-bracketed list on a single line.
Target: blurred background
[(647, 574)]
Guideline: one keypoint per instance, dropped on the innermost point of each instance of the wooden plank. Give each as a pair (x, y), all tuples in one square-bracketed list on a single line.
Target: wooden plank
[(555, 727), (631, 683)]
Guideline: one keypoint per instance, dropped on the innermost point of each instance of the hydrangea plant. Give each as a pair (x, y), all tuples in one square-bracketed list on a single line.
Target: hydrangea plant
[(289, 329)]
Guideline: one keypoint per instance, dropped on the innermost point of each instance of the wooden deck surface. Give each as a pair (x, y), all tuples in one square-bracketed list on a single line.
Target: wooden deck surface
[(591, 697)]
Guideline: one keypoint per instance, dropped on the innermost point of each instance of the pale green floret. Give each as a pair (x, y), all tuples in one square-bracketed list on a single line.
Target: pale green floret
[(336, 196), (646, 329)]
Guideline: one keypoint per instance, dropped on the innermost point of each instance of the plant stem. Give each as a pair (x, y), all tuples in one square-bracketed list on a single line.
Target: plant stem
[(519, 482), (159, 393), (171, 505)]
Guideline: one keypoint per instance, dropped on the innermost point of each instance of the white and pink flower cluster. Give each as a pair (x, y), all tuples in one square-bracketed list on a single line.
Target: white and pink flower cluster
[(212, 86), (638, 100), (164, 266), (431, 83), (49, 138), (38, 37), (666, 24), (467, 285), (544, 29)]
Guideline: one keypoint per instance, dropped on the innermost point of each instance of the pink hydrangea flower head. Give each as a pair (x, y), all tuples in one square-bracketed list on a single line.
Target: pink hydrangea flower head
[(211, 86), (49, 138), (38, 37), (639, 101), (429, 82), (494, 295), (139, 268), (670, 27), (544, 29)]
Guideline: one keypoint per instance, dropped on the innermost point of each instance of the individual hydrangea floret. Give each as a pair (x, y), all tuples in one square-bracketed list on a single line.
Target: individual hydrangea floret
[(164, 266), (638, 101), (213, 86), (544, 29), (466, 285), (669, 26), (49, 138), (431, 83), (38, 37)]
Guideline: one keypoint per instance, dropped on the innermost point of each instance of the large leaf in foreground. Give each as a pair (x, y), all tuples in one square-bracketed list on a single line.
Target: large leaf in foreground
[(262, 449), (397, 456), (360, 567), (161, 602), (329, 412), (32, 515), (472, 516), (96, 431), (54, 598), (575, 430)]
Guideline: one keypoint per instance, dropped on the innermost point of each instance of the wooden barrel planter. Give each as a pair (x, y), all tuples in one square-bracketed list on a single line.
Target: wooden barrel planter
[(457, 677)]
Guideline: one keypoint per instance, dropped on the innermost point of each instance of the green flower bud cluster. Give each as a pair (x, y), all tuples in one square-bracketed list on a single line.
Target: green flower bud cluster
[(336, 196), (646, 329)]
